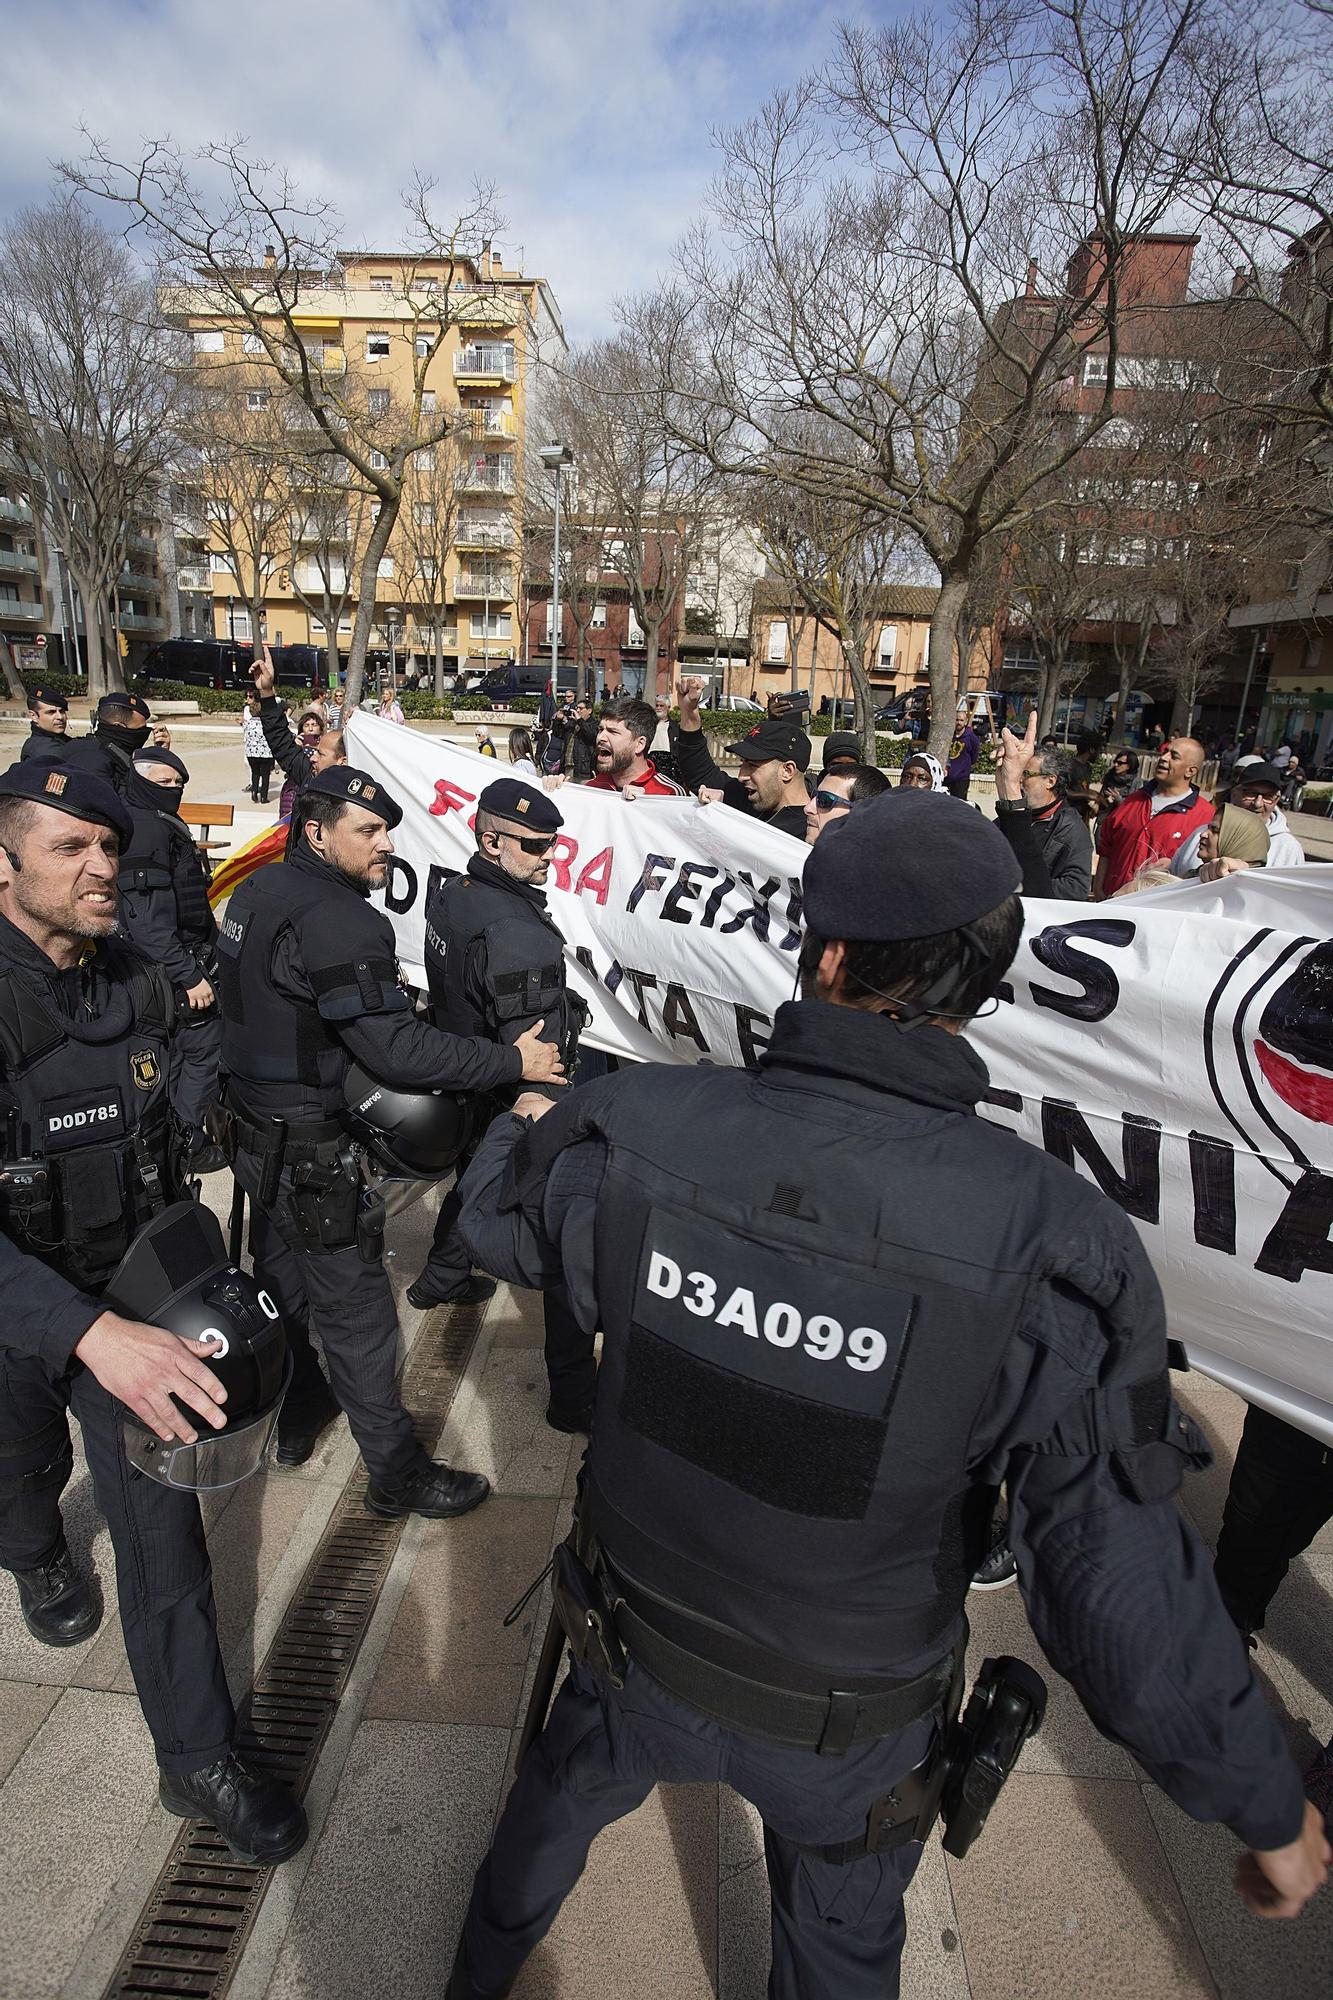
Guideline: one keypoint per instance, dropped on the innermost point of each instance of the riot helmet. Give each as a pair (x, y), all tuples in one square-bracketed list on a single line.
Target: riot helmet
[(411, 1138), (176, 1274)]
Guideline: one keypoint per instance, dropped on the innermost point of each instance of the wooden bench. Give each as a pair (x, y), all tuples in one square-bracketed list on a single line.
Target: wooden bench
[(206, 818)]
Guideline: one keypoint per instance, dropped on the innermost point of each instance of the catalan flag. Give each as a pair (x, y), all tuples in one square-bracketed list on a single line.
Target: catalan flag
[(265, 847)]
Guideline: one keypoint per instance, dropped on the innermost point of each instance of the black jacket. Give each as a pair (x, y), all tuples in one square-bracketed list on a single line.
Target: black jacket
[(1076, 1417), (695, 767), (1054, 849)]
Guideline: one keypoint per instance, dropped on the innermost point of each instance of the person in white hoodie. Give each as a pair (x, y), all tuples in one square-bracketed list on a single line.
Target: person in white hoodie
[(1256, 789)]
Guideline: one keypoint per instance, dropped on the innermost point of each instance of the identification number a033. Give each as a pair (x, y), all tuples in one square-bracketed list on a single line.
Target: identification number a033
[(820, 1336)]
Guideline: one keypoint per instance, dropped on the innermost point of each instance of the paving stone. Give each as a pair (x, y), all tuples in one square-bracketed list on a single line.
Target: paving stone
[(23, 1710), (382, 1905), (1068, 1743), (449, 1657), (73, 1806), (506, 1435), (1247, 1956), (1068, 1892)]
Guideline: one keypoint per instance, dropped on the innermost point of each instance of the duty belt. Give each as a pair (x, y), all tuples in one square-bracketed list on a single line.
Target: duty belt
[(757, 1691)]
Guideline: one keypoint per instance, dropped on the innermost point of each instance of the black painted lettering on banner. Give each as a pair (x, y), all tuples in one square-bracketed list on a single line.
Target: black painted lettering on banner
[(679, 1018), (641, 981), (400, 887), (656, 868), (1299, 1240), (1213, 1174), (685, 889), (1065, 1133), (1055, 948), (752, 1043)]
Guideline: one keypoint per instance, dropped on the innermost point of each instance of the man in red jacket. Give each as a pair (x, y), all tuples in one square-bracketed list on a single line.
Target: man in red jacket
[(1151, 823)]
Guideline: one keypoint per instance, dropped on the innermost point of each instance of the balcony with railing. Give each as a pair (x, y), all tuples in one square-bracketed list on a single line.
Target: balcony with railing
[(310, 528), (19, 561), (491, 583), (136, 578), (482, 309), (15, 607), (488, 475), (484, 425), (141, 621), (474, 531), (141, 541), (193, 579), (486, 361), (14, 510)]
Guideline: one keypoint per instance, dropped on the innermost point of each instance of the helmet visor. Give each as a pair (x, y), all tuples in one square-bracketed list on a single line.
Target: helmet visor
[(215, 1460)]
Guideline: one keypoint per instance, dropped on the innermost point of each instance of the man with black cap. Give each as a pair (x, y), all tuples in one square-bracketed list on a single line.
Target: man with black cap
[(841, 751), (496, 967), (774, 758), (166, 913), (806, 1402), (309, 984), (120, 727), (85, 1032), (48, 712)]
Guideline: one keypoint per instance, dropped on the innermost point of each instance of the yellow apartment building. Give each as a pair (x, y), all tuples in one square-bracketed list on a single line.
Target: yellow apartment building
[(362, 335)]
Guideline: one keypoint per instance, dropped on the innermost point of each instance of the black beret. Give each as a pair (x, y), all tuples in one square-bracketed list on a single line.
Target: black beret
[(839, 747), (73, 791), (510, 798), (775, 739), (112, 708), (907, 864), (50, 696), (355, 788), (150, 754)]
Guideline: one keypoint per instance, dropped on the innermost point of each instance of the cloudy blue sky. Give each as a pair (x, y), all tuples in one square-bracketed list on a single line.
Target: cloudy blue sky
[(592, 117)]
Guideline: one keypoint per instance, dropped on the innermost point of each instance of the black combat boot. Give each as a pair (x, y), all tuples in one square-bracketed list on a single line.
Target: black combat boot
[(59, 1607), (259, 1818), (303, 1421), (433, 1490), (423, 1296)]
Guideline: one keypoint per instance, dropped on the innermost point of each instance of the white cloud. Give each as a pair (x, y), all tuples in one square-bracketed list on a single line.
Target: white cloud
[(591, 118)]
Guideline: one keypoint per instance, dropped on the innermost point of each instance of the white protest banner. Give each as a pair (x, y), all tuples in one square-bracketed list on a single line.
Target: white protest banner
[(1176, 1046)]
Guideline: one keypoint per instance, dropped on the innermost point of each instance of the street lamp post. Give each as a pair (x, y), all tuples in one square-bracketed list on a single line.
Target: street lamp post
[(555, 457)]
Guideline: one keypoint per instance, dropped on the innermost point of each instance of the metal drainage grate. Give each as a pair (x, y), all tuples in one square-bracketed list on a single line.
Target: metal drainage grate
[(199, 1914)]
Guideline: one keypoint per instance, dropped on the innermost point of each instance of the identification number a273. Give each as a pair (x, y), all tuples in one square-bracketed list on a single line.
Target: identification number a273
[(819, 1335)]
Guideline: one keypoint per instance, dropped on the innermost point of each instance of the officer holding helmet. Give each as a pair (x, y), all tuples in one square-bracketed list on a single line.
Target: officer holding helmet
[(92, 1165), (807, 1400), (495, 963), (309, 987)]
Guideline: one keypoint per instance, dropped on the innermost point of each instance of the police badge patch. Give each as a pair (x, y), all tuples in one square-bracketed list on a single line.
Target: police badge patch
[(56, 783), (145, 1070)]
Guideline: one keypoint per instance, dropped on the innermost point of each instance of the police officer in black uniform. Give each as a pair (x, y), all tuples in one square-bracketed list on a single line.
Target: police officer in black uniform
[(48, 712), (495, 965), (90, 1155), (166, 912), (807, 1399), (120, 727), (309, 985)]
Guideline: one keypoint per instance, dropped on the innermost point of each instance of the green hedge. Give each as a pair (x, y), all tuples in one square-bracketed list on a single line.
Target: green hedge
[(66, 684)]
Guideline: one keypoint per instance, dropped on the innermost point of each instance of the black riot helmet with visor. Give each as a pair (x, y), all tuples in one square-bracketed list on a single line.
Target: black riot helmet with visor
[(410, 1138), (177, 1275)]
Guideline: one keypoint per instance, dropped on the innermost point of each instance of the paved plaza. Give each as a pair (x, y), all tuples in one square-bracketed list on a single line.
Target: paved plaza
[(1087, 1882)]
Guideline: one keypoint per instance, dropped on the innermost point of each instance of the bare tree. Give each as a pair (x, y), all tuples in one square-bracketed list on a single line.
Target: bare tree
[(255, 258), (85, 398), (918, 246), (1054, 584), (327, 522), (434, 523), (588, 515), (240, 455)]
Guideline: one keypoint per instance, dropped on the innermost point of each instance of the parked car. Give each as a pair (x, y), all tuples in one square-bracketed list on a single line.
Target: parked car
[(737, 704)]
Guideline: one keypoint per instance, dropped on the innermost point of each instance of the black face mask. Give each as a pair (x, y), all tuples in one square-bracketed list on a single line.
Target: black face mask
[(128, 740), (156, 798)]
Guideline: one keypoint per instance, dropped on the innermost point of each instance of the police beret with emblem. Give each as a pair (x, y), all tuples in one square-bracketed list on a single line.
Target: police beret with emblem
[(527, 805), (907, 864), (114, 707), (775, 739), (354, 788), (51, 697), (71, 791), (150, 754)]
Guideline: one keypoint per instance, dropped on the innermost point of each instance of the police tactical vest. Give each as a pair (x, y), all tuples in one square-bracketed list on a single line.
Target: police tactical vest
[(162, 860), (268, 1038), (799, 1338), (85, 1101), (525, 960)]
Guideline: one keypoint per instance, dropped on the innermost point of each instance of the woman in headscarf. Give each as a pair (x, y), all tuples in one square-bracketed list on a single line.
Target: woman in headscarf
[(923, 773), (1233, 839)]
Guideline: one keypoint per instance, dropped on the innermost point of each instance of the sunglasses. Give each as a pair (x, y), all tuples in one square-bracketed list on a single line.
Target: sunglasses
[(531, 843), (827, 802)]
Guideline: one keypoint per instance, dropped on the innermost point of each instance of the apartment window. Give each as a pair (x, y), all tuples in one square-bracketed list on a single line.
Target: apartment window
[(379, 461), (888, 644), (426, 569), (385, 566), (251, 344), (428, 402), (423, 345), (597, 623), (344, 624), (381, 284), (550, 621), (635, 634), (256, 399), (377, 347), (1095, 367), (219, 564), (238, 624), (498, 626), (423, 513), (425, 460), (315, 626), (379, 402), (777, 640), (375, 507), (1294, 576), (209, 343)]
